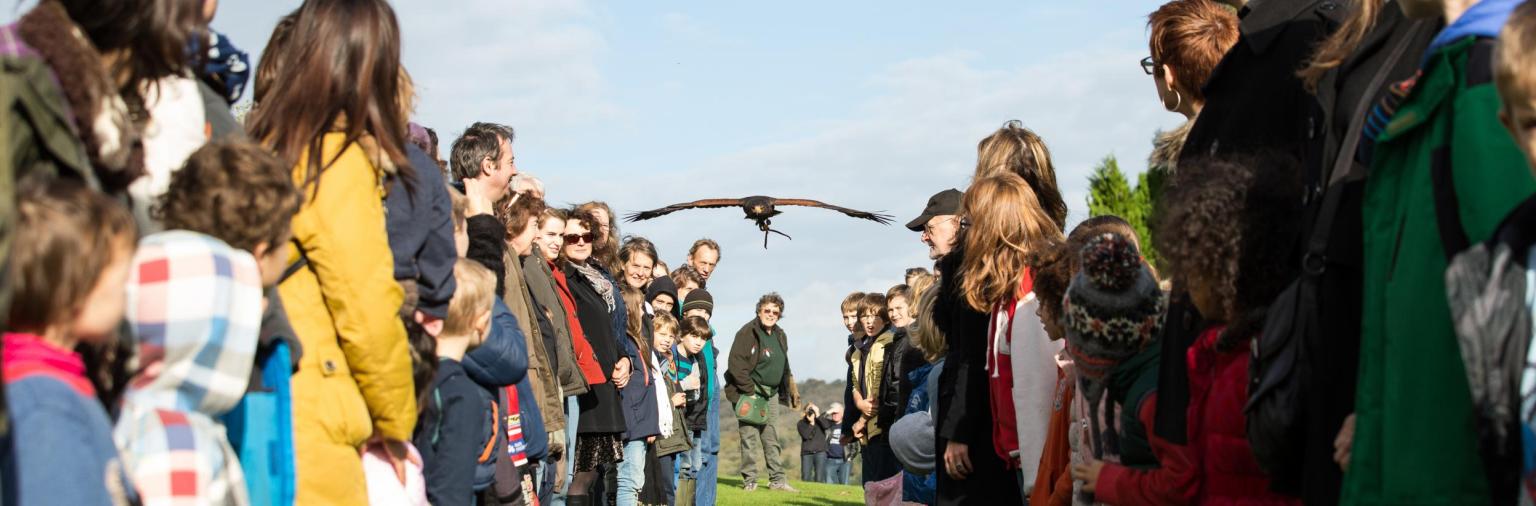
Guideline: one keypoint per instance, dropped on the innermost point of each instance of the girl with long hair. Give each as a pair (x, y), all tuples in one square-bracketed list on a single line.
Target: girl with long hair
[(1017, 150), (354, 380), (986, 298)]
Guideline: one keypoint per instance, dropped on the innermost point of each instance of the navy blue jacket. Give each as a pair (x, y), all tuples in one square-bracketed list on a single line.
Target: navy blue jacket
[(420, 230), (450, 435), (641, 415)]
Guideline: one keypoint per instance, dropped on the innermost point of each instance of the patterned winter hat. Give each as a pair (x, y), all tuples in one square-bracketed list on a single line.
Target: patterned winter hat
[(1112, 308)]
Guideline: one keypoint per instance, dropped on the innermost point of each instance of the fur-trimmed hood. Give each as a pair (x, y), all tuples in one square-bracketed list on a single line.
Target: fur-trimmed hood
[(1167, 145), (102, 119)]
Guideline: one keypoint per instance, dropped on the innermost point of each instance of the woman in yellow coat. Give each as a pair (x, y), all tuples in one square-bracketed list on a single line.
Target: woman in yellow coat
[(354, 380)]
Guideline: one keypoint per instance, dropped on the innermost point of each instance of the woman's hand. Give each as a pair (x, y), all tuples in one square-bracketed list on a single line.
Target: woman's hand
[(1088, 473), (621, 372), (957, 460), (1344, 442), (858, 428)]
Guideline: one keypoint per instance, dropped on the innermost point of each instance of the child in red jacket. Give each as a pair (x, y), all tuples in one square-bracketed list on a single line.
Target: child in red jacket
[(1112, 313), (1227, 239)]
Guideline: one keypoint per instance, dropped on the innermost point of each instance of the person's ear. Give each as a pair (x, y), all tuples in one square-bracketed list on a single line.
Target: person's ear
[(261, 250), (487, 166), (483, 323)]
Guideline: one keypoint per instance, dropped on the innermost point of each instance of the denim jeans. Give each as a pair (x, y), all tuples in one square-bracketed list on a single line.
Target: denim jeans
[(709, 472), (631, 473), (835, 471), (810, 466), (572, 415), (689, 462)]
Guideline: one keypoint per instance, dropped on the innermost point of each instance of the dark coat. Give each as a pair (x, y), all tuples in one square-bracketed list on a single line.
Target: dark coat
[(600, 407), (420, 226), (1254, 102), (743, 359), (1329, 388), (964, 408), (901, 358), (813, 435)]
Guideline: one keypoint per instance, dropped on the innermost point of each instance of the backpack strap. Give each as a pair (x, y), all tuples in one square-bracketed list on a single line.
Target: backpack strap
[(490, 446), (437, 403), (1344, 170), (1453, 234), (299, 265)]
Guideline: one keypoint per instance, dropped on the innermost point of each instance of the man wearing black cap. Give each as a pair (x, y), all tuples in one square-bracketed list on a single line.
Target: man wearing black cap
[(939, 223)]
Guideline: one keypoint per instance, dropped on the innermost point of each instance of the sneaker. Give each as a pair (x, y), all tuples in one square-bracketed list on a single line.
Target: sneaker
[(749, 486), (783, 487)]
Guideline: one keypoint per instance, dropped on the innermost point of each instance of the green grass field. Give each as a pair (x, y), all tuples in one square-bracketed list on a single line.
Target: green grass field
[(730, 493)]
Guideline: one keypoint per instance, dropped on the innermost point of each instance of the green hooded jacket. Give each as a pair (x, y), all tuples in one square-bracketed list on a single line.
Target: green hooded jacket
[(1415, 437)]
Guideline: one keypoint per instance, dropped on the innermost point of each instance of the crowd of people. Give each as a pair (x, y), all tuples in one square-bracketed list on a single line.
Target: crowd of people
[(308, 305)]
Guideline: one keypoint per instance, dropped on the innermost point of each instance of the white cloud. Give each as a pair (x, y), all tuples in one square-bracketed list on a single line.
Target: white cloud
[(531, 63)]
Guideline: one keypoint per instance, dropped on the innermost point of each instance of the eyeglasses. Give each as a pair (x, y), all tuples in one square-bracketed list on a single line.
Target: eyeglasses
[(574, 239), (771, 312), (931, 226), (1147, 65)]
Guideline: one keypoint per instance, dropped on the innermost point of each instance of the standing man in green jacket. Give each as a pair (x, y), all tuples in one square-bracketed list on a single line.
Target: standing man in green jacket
[(1444, 172), (759, 364)]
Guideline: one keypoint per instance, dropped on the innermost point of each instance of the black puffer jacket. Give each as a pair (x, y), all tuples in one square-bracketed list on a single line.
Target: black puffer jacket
[(901, 358)]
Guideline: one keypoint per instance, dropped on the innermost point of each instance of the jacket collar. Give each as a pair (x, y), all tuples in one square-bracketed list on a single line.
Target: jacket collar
[(1264, 20)]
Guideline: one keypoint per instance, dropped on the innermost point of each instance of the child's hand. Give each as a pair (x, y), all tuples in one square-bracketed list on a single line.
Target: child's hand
[(858, 428), (679, 399), (1088, 473), (866, 406)]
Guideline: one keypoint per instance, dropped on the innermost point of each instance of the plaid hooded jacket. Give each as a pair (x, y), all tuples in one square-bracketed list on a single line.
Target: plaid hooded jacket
[(194, 304)]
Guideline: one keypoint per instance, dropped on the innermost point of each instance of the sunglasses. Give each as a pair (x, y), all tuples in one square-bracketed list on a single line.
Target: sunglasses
[(771, 312), (1147, 65), (574, 239)]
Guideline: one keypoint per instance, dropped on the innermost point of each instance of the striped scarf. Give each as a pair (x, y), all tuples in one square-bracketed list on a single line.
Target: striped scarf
[(599, 282)]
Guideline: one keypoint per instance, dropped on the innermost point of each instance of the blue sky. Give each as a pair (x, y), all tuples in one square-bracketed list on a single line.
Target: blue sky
[(870, 105)]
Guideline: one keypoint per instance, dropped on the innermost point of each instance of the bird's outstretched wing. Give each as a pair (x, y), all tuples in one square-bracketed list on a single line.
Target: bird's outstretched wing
[(706, 203), (883, 219)]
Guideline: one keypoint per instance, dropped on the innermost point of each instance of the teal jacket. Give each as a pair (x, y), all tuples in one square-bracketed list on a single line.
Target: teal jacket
[(1415, 437)]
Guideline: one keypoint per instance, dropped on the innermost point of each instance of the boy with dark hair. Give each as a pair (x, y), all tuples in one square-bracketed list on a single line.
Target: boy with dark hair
[(868, 362), (693, 342)]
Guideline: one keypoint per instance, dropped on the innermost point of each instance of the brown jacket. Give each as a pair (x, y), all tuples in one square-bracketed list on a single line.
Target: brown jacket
[(541, 377), (546, 296)]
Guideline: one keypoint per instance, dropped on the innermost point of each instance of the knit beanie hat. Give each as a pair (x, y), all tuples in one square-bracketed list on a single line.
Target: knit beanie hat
[(1113, 308), (661, 285), (699, 299)]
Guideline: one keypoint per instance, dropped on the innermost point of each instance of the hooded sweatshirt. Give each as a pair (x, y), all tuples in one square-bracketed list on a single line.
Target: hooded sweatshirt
[(194, 304)]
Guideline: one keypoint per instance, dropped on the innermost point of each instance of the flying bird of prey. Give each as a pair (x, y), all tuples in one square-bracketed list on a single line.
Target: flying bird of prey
[(760, 210)]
